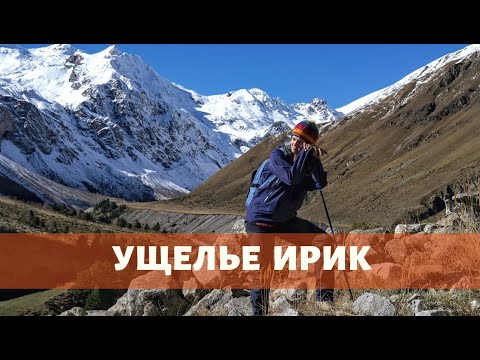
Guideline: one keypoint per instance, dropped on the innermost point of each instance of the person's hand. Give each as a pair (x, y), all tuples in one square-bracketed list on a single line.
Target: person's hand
[(317, 151)]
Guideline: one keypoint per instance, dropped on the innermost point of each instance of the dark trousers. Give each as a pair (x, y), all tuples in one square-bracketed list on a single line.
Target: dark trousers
[(324, 279)]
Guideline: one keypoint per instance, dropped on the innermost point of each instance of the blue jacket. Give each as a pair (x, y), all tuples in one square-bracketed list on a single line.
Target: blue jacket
[(279, 201)]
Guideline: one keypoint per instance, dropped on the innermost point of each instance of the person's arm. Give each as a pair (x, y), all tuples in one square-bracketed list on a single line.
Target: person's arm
[(316, 175), (289, 174), (315, 167)]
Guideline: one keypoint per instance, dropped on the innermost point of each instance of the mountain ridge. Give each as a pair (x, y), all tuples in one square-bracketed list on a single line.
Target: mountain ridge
[(108, 123), (420, 75), (390, 162)]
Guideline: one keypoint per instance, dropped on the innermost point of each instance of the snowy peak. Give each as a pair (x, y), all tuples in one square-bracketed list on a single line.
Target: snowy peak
[(112, 50), (64, 75), (317, 102), (419, 77), (66, 49), (249, 116), (245, 96), (318, 111), (108, 123), (259, 94), (13, 49)]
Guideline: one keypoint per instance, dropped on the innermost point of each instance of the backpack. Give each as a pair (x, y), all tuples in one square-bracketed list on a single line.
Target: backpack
[(255, 183)]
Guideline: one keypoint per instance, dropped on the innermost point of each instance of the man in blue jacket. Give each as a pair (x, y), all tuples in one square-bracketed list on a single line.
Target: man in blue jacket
[(273, 208)]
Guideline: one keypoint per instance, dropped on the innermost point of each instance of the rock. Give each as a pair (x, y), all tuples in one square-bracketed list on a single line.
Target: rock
[(448, 206), (373, 305), (282, 307), (165, 301), (375, 254), (239, 306), (379, 230), (431, 228), (448, 221), (6, 123), (280, 303), (209, 279), (140, 300), (288, 312), (76, 311), (239, 226), (386, 272), (399, 249), (408, 228), (475, 304), (98, 313), (150, 310), (194, 295), (192, 290), (416, 306), (416, 242), (436, 312), (209, 301)]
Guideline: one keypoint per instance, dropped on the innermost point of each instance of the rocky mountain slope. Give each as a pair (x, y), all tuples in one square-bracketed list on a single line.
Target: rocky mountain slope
[(108, 123)]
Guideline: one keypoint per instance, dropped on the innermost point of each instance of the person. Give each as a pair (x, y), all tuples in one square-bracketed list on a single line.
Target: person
[(273, 209)]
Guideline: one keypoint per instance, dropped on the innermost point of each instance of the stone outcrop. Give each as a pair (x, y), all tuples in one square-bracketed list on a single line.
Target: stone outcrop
[(6, 122), (373, 305)]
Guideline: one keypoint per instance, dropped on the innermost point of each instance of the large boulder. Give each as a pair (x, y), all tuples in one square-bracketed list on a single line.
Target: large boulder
[(75, 311), (376, 253), (387, 273), (140, 300), (158, 302), (399, 249), (402, 229), (206, 304), (373, 305)]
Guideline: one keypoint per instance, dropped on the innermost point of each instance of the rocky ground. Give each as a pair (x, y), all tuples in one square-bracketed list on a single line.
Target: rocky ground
[(385, 257)]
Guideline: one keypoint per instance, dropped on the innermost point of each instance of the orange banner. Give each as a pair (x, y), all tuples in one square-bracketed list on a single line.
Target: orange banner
[(239, 261)]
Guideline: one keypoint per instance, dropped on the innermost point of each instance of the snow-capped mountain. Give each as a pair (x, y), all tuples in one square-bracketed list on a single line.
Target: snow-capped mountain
[(419, 77), (249, 116), (108, 123), (318, 110)]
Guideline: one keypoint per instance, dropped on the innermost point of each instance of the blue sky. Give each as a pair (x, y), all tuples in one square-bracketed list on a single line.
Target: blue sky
[(338, 73)]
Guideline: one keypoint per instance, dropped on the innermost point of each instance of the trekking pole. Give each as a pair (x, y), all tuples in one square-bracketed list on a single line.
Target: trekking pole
[(333, 233), (319, 187)]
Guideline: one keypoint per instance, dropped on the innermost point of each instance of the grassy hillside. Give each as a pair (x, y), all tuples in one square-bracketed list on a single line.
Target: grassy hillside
[(31, 304), (393, 162)]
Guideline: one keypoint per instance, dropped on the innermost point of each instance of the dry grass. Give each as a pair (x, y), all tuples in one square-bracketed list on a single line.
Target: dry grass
[(31, 304), (14, 216)]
